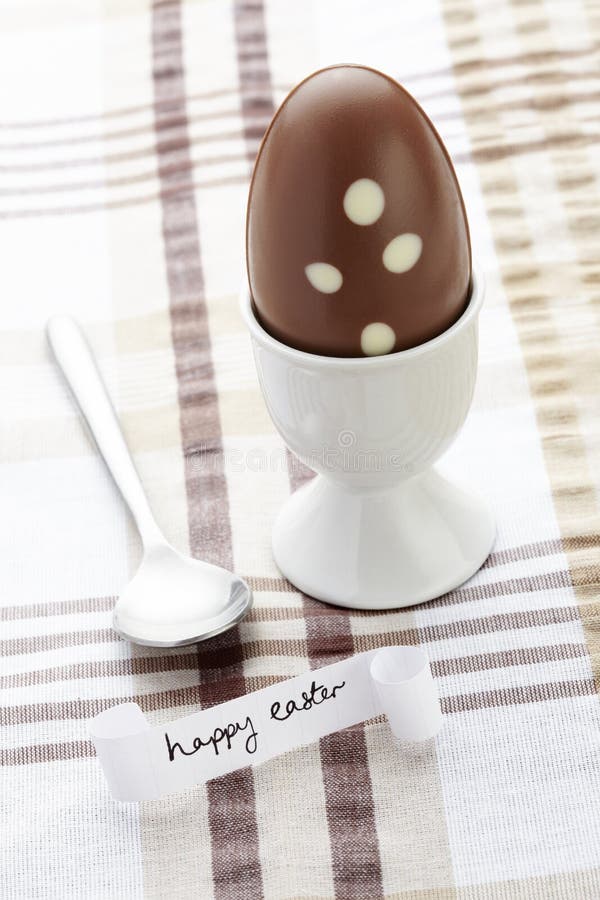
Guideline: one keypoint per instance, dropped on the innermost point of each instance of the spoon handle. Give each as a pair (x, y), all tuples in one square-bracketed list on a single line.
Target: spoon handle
[(75, 358)]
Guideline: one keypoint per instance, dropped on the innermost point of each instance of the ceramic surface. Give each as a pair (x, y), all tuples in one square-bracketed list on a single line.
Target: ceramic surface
[(378, 528)]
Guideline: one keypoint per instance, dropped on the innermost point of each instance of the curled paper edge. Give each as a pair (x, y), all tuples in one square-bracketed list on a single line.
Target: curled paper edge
[(407, 693), (143, 762)]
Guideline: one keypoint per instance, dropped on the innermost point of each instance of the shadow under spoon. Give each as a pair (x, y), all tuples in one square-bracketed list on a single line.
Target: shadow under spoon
[(172, 599)]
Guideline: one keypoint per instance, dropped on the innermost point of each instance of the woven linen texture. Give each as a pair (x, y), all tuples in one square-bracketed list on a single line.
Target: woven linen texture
[(127, 137)]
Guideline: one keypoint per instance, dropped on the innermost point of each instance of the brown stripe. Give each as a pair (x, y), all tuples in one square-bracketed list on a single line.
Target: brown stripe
[(537, 693), (256, 128), (464, 67), (225, 683), (530, 584), (125, 180), (44, 753), (344, 755), (186, 661), (482, 154), (535, 550), (162, 195), (232, 814), (468, 627), (176, 146), (345, 764), (167, 123), (237, 870), (527, 584), (257, 108), (232, 807), (542, 548), (504, 659), (316, 611), (166, 106), (253, 70), (103, 668), (345, 801)]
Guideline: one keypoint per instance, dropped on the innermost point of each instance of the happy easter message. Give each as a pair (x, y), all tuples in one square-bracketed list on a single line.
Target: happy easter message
[(144, 762), (280, 712)]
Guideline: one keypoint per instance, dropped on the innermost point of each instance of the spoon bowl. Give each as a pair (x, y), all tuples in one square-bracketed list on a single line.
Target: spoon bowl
[(172, 599)]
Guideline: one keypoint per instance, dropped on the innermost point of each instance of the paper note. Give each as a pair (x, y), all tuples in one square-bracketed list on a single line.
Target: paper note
[(141, 762)]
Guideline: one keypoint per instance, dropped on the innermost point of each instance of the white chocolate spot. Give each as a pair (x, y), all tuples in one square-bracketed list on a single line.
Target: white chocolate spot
[(402, 252), (377, 339), (323, 277), (364, 201)]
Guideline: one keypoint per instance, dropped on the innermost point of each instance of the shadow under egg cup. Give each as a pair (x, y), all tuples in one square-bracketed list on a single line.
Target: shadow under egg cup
[(379, 527)]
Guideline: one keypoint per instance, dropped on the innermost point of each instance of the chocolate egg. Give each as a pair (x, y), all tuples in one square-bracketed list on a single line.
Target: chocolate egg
[(357, 236)]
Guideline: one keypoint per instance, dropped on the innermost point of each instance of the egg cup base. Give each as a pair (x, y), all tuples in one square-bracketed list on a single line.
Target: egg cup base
[(382, 549)]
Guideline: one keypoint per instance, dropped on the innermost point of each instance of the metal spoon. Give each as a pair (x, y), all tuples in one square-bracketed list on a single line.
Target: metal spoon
[(172, 599)]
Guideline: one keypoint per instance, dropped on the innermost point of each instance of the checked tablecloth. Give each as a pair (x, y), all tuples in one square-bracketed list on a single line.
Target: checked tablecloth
[(127, 135)]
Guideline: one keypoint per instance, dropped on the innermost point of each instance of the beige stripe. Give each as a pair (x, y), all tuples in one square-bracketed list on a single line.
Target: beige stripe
[(549, 100), (532, 294), (478, 88), (140, 332), (418, 856), (580, 885), (580, 222), (410, 817), (147, 430), (145, 332), (101, 604), (244, 412)]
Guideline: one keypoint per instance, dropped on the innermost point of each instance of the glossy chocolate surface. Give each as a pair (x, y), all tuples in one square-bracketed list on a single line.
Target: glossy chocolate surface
[(357, 237)]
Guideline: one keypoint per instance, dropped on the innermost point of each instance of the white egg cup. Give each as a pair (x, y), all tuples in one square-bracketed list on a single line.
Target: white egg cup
[(379, 527)]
